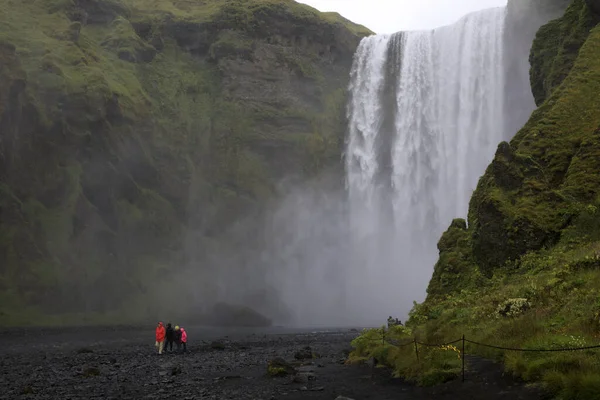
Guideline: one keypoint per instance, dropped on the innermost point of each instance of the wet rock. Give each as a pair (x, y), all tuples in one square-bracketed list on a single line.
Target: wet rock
[(304, 354), (84, 350), (176, 370), (280, 367), (217, 345), (27, 390), (90, 371), (304, 377)]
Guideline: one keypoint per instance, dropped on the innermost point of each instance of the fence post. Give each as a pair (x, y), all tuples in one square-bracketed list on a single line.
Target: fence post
[(416, 349), (463, 357), (383, 336)]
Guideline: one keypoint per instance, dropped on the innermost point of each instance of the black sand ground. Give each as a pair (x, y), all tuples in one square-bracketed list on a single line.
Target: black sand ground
[(121, 363)]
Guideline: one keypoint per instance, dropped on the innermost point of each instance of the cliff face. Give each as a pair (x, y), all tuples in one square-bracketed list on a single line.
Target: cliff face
[(532, 190), (126, 124), (524, 272), (523, 19)]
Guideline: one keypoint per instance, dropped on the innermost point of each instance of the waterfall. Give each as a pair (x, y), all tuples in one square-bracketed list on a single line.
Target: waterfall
[(426, 115)]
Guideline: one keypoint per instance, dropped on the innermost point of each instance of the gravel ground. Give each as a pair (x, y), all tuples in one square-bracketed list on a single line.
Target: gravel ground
[(121, 363)]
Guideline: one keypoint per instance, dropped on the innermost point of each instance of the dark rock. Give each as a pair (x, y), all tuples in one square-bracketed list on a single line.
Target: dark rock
[(27, 390), (594, 5), (74, 31), (217, 345), (304, 377), (304, 354), (91, 371), (97, 11), (84, 350), (280, 367)]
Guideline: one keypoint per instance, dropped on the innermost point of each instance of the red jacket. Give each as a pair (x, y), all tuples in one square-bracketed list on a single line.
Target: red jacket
[(183, 336), (160, 332)]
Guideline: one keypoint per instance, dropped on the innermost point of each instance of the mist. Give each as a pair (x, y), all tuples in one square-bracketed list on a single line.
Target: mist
[(356, 246)]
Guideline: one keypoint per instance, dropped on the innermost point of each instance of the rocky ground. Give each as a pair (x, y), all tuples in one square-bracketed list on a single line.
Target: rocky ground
[(121, 363)]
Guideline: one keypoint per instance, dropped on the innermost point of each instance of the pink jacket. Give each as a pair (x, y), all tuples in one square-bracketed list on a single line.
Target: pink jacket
[(183, 336)]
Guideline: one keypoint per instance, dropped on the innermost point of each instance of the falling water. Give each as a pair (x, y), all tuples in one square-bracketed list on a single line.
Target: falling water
[(426, 115), (426, 112)]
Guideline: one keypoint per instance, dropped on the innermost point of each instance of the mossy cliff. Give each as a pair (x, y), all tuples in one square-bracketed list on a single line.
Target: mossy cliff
[(525, 271), (126, 123)]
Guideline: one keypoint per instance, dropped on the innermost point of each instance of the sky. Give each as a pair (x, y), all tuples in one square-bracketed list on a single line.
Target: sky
[(389, 16)]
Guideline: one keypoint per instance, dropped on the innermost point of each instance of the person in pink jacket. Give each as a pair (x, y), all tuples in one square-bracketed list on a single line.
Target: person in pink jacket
[(184, 339)]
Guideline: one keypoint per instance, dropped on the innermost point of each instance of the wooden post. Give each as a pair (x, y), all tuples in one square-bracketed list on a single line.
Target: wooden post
[(463, 358), (416, 349)]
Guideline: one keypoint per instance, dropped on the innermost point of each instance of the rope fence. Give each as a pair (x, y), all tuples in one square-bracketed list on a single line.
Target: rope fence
[(464, 340)]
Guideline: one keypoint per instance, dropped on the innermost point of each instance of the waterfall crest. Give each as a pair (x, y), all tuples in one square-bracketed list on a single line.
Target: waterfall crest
[(426, 115)]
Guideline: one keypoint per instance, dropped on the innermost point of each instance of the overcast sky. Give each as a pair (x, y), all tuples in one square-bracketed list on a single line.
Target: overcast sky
[(389, 16)]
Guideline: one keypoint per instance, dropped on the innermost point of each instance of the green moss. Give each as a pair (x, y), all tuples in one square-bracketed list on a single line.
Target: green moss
[(126, 44), (455, 268), (525, 272), (556, 47), (129, 120), (552, 168)]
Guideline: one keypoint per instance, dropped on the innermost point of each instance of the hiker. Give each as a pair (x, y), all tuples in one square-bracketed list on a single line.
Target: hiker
[(170, 336), (390, 322), (160, 337), (183, 339), (177, 338)]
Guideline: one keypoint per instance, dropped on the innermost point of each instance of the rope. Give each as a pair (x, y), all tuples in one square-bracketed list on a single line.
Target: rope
[(533, 350), (399, 344), (439, 345)]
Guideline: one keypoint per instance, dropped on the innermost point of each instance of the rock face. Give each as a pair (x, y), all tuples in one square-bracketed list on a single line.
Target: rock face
[(523, 19), (594, 5), (539, 184), (533, 188), (123, 127)]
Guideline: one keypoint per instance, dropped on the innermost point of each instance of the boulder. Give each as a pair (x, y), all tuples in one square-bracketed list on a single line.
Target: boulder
[(280, 367), (304, 354)]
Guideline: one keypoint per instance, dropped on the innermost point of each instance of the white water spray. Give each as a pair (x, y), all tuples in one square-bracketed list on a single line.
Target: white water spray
[(426, 116)]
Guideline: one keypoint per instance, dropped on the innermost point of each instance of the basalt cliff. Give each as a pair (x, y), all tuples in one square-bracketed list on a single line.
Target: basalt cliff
[(131, 130)]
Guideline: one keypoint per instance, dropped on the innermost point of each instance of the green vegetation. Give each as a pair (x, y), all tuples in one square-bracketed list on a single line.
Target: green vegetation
[(556, 48), (127, 123), (525, 272)]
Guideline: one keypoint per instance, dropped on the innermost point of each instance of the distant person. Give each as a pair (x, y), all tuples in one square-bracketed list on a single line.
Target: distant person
[(183, 339), (390, 322), (169, 336), (177, 338), (160, 337)]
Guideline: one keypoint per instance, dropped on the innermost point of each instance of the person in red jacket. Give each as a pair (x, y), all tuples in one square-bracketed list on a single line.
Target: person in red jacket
[(160, 337), (184, 339)]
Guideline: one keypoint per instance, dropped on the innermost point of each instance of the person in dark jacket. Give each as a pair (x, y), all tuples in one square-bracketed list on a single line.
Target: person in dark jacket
[(177, 338), (170, 336)]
